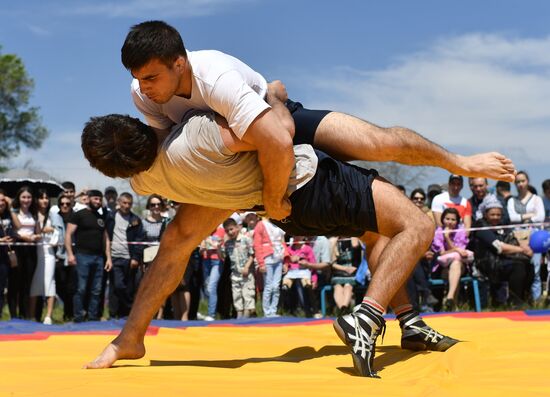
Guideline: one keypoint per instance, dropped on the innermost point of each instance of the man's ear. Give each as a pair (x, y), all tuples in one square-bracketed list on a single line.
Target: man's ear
[(180, 63)]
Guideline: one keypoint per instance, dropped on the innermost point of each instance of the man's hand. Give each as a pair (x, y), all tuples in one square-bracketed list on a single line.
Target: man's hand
[(278, 210), (527, 250), (278, 90), (108, 265), (133, 264), (71, 260)]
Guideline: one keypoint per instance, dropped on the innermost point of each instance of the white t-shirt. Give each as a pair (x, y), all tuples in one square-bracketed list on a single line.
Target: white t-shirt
[(444, 200), (194, 166), (277, 236), (221, 83)]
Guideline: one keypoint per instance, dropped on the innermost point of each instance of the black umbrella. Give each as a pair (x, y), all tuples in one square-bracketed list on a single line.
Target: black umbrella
[(11, 186)]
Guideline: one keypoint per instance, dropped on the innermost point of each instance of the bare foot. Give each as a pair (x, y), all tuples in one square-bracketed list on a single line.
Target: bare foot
[(116, 350), (491, 165)]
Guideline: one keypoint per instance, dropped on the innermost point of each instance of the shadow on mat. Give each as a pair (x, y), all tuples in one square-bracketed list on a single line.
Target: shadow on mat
[(293, 356), (390, 355)]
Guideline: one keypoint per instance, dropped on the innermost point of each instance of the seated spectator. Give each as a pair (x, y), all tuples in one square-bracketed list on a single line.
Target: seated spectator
[(418, 286), (500, 257), (344, 266), (239, 248), (297, 268), (449, 244)]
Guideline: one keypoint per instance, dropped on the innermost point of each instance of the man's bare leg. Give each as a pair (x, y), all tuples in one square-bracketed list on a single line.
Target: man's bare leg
[(350, 138), (410, 232), (415, 333), (191, 224)]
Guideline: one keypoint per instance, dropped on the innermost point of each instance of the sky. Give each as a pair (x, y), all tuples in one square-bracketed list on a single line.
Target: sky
[(472, 76)]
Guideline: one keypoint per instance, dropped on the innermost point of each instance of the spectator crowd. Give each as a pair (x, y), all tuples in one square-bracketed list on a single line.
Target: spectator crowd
[(88, 253)]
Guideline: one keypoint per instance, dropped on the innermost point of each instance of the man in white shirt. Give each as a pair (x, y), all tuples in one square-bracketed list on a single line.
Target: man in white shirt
[(169, 81)]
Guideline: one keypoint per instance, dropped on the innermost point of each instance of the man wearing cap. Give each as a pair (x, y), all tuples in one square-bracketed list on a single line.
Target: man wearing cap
[(453, 199), (91, 243)]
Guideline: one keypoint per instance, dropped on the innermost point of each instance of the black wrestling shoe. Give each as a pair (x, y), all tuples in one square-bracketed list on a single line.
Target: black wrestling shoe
[(417, 335), (359, 331)]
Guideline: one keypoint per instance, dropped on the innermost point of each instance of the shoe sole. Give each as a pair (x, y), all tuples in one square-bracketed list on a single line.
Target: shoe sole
[(356, 363)]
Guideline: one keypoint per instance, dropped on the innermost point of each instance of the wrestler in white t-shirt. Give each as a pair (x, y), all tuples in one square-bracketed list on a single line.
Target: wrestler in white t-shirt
[(221, 83)]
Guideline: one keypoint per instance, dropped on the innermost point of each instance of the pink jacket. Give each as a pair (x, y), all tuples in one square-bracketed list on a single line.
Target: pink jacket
[(263, 247)]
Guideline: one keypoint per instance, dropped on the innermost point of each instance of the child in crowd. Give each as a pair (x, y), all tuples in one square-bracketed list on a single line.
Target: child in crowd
[(239, 248), (296, 267), (449, 244)]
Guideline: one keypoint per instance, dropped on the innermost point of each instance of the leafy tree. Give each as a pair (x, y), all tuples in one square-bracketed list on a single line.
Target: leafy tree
[(20, 124)]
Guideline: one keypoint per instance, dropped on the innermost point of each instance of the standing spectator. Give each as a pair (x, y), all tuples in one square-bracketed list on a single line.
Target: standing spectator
[(123, 226), (69, 191), (527, 208), (321, 268), (43, 281), (91, 243), (270, 250), (433, 190), (418, 197), (345, 264), (546, 199), (65, 275), (239, 248), (500, 257), (453, 199), (212, 269), (450, 243), (19, 284), (111, 196), (480, 190), (7, 235)]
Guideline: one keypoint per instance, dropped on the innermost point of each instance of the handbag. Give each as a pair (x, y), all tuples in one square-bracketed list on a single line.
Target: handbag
[(11, 253)]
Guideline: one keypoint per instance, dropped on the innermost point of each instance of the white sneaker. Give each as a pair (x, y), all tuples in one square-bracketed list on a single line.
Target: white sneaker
[(200, 316), (209, 318), (317, 316), (47, 321)]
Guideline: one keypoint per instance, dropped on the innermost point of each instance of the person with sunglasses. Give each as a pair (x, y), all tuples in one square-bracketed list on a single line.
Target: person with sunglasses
[(65, 275)]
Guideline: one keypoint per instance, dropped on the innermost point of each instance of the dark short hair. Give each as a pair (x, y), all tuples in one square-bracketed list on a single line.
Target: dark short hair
[(119, 145), (504, 186), (453, 211), (229, 222), (151, 40), (546, 185), (68, 185), (128, 195)]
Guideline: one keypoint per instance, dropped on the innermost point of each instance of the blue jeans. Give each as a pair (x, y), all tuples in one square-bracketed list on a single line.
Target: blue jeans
[(536, 287), (89, 269), (272, 284), (212, 270)]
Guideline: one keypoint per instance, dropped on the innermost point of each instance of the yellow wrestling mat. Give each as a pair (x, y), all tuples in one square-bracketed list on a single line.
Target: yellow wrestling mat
[(502, 355)]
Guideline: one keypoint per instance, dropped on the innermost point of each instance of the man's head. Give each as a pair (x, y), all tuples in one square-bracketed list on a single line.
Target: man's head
[(504, 188), (95, 198), (456, 183), (231, 228), (125, 202), (119, 146), (70, 189), (155, 55), (479, 187), (110, 194)]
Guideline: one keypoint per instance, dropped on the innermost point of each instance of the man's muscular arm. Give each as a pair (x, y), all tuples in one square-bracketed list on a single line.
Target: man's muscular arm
[(272, 138)]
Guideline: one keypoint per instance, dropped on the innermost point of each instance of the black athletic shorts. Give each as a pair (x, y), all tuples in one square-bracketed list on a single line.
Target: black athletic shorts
[(306, 121), (336, 202)]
